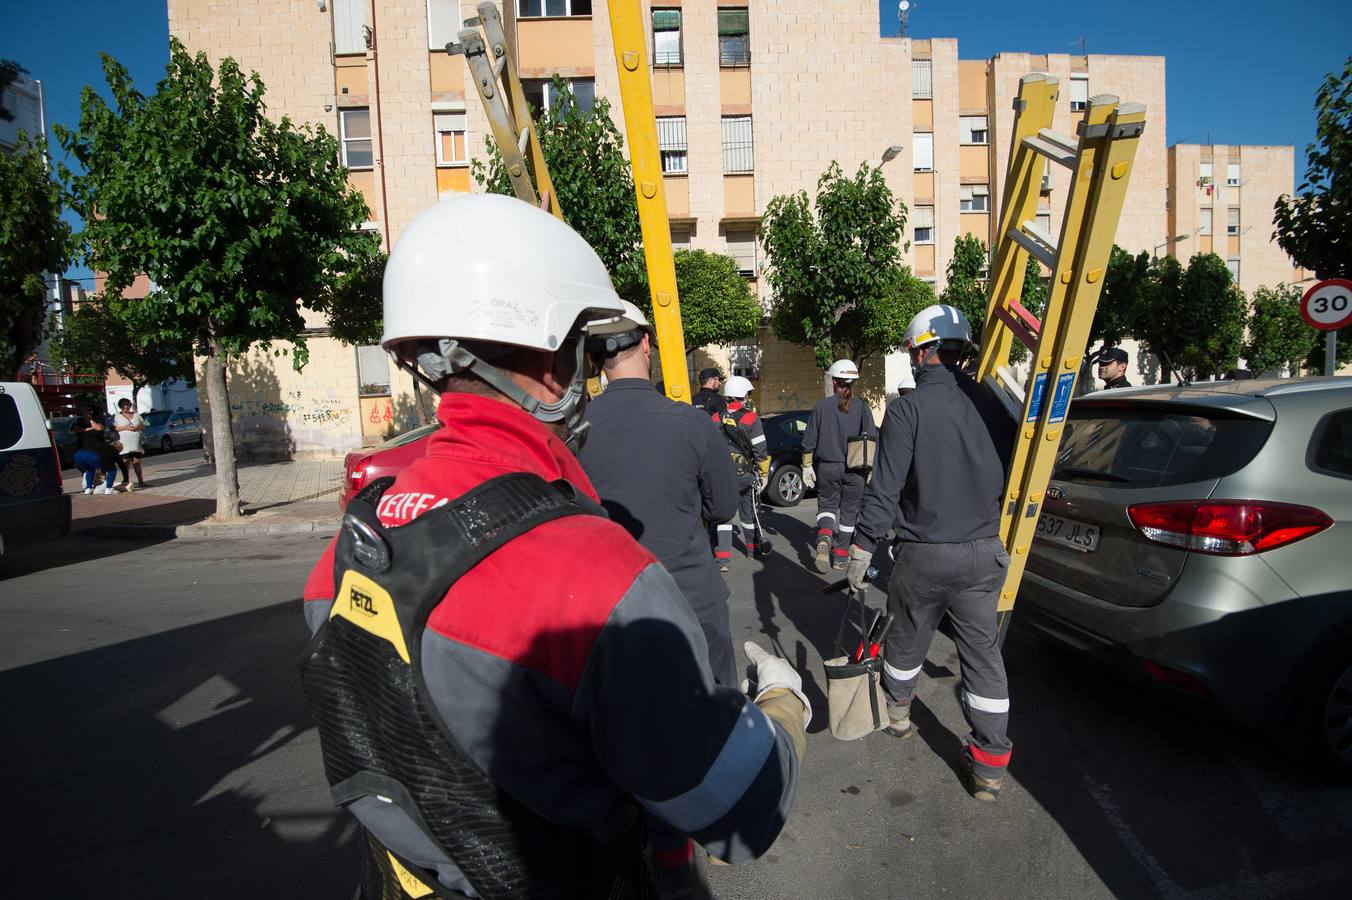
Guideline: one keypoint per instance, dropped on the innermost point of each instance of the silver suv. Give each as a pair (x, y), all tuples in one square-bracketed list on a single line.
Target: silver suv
[(1199, 539)]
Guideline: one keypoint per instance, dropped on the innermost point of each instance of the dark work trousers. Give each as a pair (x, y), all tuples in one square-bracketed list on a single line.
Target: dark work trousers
[(838, 496), (746, 520), (964, 581), (713, 621)]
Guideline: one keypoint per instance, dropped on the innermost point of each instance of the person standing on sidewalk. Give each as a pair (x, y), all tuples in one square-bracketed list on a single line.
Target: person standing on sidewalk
[(504, 681), (745, 436), (635, 431), (93, 452), (709, 397), (129, 425), (834, 420), (942, 459)]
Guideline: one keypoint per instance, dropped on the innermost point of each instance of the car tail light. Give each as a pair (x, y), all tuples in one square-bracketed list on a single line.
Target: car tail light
[(358, 474), (1174, 678), (1226, 527)]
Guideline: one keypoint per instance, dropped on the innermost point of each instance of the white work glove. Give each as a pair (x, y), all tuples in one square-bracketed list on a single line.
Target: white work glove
[(856, 573), (809, 477), (773, 672)]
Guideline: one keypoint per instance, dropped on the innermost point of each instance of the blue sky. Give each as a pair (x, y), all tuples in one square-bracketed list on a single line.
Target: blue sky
[(1243, 72)]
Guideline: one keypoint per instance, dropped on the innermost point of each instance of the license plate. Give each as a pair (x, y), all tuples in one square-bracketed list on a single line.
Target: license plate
[(1075, 535)]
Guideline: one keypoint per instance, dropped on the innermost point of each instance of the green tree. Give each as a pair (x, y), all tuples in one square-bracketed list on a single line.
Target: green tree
[(964, 287), (585, 155), (92, 339), (9, 73), (1313, 226), (236, 219), (33, 240), (835, 266), (717, 304), (1211, 320), (1279, 337), (1033, 298), (1122, 298), (1156, 326)]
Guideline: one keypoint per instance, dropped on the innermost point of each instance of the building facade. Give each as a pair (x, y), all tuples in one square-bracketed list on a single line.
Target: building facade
[(753, 99)]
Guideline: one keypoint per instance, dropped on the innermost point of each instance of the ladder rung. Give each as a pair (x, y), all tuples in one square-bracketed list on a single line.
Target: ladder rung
[(1026, 337), (523, 140), (1033, 322), (1054, 146), (1037, 242), (498, 67)]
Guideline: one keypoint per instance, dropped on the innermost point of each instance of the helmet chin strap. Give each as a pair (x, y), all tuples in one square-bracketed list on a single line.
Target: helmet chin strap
[(452, 358)]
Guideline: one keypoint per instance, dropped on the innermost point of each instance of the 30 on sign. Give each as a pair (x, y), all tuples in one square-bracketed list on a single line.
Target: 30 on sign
[(1327, 305)]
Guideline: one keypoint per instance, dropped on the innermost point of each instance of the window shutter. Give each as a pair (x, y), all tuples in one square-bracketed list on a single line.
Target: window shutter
[(737, 155), (1079, 90), (922, 79), (666, 20), (349, 17), (443, 23), (449, 121), (923, 152), (373, 370), (923, 217), (733, 22)]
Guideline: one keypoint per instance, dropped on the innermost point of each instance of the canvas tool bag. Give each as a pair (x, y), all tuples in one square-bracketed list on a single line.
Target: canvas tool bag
[(860, 449), (855, 703)]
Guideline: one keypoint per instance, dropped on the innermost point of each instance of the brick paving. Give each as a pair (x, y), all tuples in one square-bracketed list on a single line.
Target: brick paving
[(259, 483)]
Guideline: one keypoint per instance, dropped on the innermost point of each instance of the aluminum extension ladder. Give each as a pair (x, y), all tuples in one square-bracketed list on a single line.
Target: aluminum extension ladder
[(1101, 162), (493, 65)]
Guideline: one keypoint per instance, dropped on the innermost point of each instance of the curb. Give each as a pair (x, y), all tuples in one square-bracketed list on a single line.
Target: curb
[(167, 532)]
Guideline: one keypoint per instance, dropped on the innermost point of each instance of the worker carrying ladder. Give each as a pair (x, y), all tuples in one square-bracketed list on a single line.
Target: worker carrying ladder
[(1100, 161)]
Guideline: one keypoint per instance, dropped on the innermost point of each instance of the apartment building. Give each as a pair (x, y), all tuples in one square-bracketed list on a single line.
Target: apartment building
[(753, 99)]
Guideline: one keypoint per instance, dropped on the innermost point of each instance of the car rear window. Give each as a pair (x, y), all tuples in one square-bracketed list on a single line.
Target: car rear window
[(1331, 447), (155, 419), (11, 425), (1143, 447)]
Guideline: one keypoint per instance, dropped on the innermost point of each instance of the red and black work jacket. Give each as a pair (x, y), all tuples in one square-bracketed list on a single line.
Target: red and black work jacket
[(743, 420)]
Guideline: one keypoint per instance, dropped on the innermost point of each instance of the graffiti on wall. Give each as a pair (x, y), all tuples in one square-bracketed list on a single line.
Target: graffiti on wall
[(317, 411)]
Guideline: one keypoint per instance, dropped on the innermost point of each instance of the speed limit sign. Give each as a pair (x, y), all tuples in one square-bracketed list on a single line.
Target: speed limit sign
[(1327, 305)]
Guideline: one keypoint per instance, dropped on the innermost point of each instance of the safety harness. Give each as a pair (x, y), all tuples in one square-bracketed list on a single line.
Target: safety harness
[(437, 825)]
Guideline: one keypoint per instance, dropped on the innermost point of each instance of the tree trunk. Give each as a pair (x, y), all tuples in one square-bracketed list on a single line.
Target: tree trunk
[(222, 436)]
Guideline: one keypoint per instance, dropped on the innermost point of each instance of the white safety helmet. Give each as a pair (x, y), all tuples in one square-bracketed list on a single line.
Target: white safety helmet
[(737, 387), (606, 337), (938, 323), (843, 370), (493, 269)]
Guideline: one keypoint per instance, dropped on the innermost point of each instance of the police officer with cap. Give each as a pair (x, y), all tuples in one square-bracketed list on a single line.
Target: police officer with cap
[(660, 467), (708, 397), (498, 702), (1112, 367)]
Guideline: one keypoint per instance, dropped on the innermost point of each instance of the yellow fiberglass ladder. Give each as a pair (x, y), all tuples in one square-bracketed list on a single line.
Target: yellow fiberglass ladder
[(493, 66), (1100, 161)]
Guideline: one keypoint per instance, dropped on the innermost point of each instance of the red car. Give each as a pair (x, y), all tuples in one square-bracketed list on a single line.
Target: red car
[(361, 467)]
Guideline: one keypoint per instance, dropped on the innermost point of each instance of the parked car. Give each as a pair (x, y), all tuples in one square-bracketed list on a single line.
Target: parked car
[(67, 441), (784, 439), (33, 506), (167, 431), (1197, 538), (361, 467)]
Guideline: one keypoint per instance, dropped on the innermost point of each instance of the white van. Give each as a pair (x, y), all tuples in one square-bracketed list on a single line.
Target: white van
[(33, 506)]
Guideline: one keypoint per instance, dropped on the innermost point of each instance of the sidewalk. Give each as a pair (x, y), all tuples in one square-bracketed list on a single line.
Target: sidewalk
[(291, 497)]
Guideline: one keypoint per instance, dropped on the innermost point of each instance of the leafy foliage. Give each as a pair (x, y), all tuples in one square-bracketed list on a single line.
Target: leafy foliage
[(965, 288), (1315, 227), (33, 240), (835, 267), (717, 304), (1155, 324), (9, 73), (1193, 318), (92, 339), (1033, 298), (1279, 337), (585, 155), (1123, 297)]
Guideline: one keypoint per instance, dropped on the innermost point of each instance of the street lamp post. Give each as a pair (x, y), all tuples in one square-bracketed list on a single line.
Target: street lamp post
[(1154, 254), (890, 153)]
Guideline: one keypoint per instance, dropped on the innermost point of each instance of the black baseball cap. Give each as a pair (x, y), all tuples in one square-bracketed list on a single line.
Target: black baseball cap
[(1112, 354), (706, 374)]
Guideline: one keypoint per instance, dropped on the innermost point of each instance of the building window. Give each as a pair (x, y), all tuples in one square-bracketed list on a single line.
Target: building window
[(744, 360), (922, 79), (922, 220), (734, 37), (1232, 220), (542, 96), (922, 155), (1044, 222), (443, 22), (354, 127), (534, 9), (450, 129), (680, 239), (1233, 266), (373, 371), (349, 26), (736, 145), (1232, 175), (1204, 173), (1046, 175), (671, 143), (666, 37), (741, 244), (974, 198), (972, 129), (1079, 93), (1204, 220)]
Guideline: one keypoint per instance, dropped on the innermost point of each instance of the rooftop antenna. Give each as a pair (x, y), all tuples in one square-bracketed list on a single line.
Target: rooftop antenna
[(1080, 40), (904, 10)]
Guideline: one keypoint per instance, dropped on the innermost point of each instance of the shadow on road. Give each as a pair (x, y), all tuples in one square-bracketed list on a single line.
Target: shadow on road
[(68, 551), (150, 768)]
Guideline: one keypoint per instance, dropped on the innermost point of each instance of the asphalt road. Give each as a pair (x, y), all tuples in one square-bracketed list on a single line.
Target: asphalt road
[(158, 746)]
